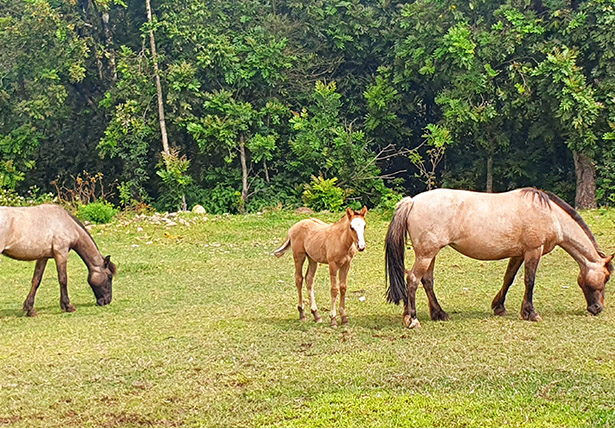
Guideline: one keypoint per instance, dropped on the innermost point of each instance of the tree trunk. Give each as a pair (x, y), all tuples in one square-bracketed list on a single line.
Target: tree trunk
[(490, 173), (152, 42), (585, 197), (109, 42), (244, 169)]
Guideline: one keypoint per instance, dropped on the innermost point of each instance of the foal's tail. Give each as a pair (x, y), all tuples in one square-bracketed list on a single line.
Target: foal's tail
[(282, 250), (394, 252)]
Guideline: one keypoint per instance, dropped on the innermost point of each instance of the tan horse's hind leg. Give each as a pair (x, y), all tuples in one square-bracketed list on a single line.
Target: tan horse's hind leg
[(299, 261), (344, 269), (511, 271), (61, 260), (309, 282), (415, 276), (39, 269), (435, 311), (531, 260)]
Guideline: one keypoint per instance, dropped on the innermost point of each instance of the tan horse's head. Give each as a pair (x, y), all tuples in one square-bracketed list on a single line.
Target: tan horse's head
[(101, 281), (357, 226), (593, 282)]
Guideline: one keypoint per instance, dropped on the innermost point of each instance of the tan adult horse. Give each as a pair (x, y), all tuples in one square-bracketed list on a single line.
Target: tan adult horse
[(333, 244), (522, 225), (48, 231)]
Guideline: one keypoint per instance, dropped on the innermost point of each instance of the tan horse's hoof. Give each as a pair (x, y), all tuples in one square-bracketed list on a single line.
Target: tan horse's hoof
[(500, 310), (70, 308), (344, 320), (31, 313), (535, 317), (411, 323)]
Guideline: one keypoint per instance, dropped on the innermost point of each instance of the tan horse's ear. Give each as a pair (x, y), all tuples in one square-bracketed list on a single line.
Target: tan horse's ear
[(363, 211), (349, 212)]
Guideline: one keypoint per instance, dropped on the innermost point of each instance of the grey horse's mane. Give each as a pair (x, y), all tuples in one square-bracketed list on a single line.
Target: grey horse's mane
[(78, 222)]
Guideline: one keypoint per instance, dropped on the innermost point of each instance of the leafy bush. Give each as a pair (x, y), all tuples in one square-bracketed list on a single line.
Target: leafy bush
[(10, 197), (98, 212), (322, 194)]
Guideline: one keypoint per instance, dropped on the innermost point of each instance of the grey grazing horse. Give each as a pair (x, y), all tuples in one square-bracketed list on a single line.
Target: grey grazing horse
[(48, 231), (522, 225)]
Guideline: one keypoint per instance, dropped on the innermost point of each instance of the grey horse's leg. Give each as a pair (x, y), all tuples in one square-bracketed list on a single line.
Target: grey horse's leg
[(39, 269), (61, 261), (511, 271)]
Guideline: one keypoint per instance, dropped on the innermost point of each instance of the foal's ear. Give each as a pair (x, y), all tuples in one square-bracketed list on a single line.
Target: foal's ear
[(349, 212), (363, 211), (608, 259)]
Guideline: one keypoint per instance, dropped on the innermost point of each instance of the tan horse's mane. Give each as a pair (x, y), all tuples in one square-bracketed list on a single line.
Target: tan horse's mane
[(546, 196)]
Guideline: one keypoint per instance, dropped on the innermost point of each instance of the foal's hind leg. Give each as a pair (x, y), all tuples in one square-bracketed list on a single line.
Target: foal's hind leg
[(39, 269), (309, 281), (61, 260), (299, 261), (435, 311), (511, 271)]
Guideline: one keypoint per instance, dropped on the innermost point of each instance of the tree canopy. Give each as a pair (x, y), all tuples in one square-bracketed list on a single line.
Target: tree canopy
[(265, 100)]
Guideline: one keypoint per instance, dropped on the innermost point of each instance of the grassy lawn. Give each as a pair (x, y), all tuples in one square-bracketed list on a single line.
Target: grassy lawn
[(203, 331)]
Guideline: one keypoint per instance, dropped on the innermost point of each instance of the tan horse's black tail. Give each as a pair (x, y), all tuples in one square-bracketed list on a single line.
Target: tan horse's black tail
[(280, 251), (394, 252)]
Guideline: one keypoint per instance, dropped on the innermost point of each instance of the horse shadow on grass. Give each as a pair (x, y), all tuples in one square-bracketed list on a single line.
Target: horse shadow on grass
[(51, 309)]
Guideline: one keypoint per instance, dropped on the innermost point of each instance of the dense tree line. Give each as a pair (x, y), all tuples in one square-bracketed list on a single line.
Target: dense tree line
[(262, 100)]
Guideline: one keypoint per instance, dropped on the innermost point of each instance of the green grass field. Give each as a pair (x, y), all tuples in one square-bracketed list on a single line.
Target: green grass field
[(203, 331)]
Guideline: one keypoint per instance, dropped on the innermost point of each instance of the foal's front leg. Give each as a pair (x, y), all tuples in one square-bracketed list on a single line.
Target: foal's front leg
[(333, 269), (39, 269), (61, 260), (344, 269)]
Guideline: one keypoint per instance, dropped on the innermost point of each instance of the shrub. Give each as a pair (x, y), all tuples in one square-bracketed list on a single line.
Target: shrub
[(322, 194), (98, 212)]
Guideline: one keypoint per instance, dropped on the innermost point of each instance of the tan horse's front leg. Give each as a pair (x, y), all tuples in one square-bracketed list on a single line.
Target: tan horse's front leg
[(333, 269), (309, 281), (511, 271), (39, 269), (61, 260), (344, 269), (531, 260)]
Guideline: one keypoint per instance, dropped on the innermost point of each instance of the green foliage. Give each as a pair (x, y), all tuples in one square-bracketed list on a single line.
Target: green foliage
[(10, 197), (97, 212), (173, 170), (322, 194)]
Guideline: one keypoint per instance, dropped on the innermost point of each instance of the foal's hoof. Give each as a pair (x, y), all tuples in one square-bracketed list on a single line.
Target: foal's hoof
[(316, 315), (301, 314), (333, 322), (31, 312), (500, 310), (344, 320), (411, 323)]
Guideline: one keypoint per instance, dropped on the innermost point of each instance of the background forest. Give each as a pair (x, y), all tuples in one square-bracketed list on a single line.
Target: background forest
[(241, 105)]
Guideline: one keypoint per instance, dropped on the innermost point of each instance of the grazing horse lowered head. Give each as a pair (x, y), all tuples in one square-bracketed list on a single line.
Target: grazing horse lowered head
[(332, 244), (522, 225), (48, 231)]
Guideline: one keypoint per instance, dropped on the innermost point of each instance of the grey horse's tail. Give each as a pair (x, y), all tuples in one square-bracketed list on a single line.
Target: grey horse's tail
[(280, 251), (394, 252)]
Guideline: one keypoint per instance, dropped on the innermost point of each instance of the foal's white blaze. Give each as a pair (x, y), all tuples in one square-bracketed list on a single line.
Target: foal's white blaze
[(358, 224)]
